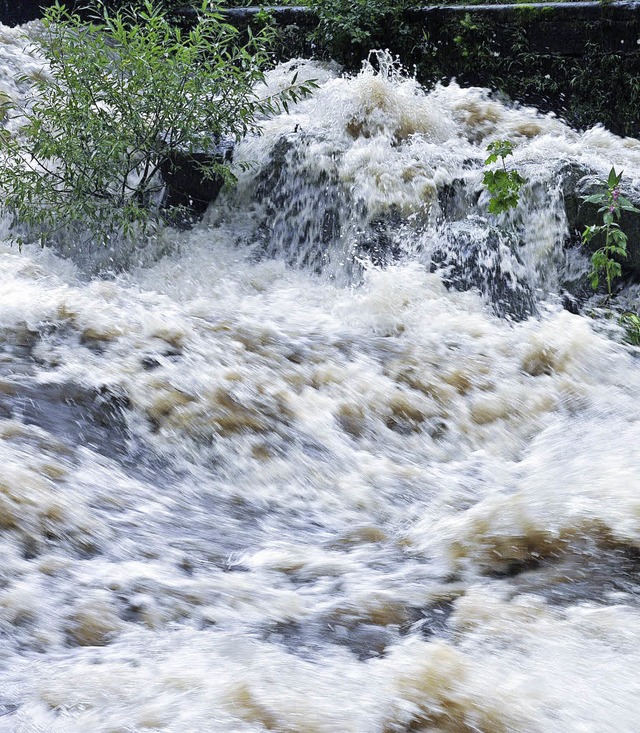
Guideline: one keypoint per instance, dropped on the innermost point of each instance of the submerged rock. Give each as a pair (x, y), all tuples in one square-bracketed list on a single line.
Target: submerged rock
[(456, 199), (303, 207), (476, 256), (70, 411)]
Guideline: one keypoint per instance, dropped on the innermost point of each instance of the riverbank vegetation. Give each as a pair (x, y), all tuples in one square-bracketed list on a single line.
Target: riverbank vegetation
[(125, 92), (612, 238)]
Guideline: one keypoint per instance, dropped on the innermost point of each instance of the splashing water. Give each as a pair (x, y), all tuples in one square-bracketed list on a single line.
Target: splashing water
[(299, 475)]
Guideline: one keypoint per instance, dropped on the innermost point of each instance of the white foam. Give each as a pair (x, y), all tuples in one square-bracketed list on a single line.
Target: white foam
[(320, 471)]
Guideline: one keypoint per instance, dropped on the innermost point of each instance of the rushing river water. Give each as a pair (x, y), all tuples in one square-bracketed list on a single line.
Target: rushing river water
[(285, 477)]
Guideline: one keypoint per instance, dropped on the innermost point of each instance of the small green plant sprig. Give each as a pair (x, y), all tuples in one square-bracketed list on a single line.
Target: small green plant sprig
[(612, 204), (631, 323), (503, 185)]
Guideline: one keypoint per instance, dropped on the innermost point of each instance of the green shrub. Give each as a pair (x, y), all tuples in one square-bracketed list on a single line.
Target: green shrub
[(126, 91), (348, 29)]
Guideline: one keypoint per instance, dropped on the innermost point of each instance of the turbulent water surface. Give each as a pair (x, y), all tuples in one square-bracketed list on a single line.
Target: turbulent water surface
[(337, 460)]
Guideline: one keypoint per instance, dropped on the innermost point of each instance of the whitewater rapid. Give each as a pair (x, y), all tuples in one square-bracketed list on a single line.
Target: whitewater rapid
[(273, 477)]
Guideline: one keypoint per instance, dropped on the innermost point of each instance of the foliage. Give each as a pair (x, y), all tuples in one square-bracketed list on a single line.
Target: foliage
[(348, 28), (260, 3), (503, 185), (631, 324), (115, 5), (612, 204), (471, 39), (504, 53), (124, 93)]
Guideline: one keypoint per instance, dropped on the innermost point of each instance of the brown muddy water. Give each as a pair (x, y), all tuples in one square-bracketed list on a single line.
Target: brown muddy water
[(278, 474)]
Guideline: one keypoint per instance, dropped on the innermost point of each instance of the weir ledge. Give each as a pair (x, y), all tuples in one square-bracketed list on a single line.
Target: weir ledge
[(564, 27), (561, 28), (580, 60)]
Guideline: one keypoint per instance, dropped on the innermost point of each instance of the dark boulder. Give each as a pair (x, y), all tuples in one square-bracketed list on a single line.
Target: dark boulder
[(189, 189), (77, 415), (15, 12), (457, 199), (303, 209)]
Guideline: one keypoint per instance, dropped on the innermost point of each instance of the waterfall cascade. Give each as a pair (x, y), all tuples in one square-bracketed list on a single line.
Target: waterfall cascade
[(337, 459)]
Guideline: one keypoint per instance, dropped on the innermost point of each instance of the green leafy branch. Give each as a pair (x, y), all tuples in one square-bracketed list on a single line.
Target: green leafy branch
[(124, 93), (631, 323), (503, 185), (346, 26)]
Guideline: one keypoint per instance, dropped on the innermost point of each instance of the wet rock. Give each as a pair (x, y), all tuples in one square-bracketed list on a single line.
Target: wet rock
[(189, 191), (365, 534), (309, 212), (474, 256), (379, 611), (142, 608), (570, 175), (19, 341), (29, 548), (456, 200), (435, 618), (352, 419), (513, 568), (405, 418), (363, 640), (76, 414), (302, 206), (379, 241), (149, 363), (8, 708), (93, 622), (592, 569)]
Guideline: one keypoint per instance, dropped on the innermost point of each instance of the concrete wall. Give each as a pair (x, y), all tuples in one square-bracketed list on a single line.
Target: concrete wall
[(581, 59), (559, 28), (564, 29)]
